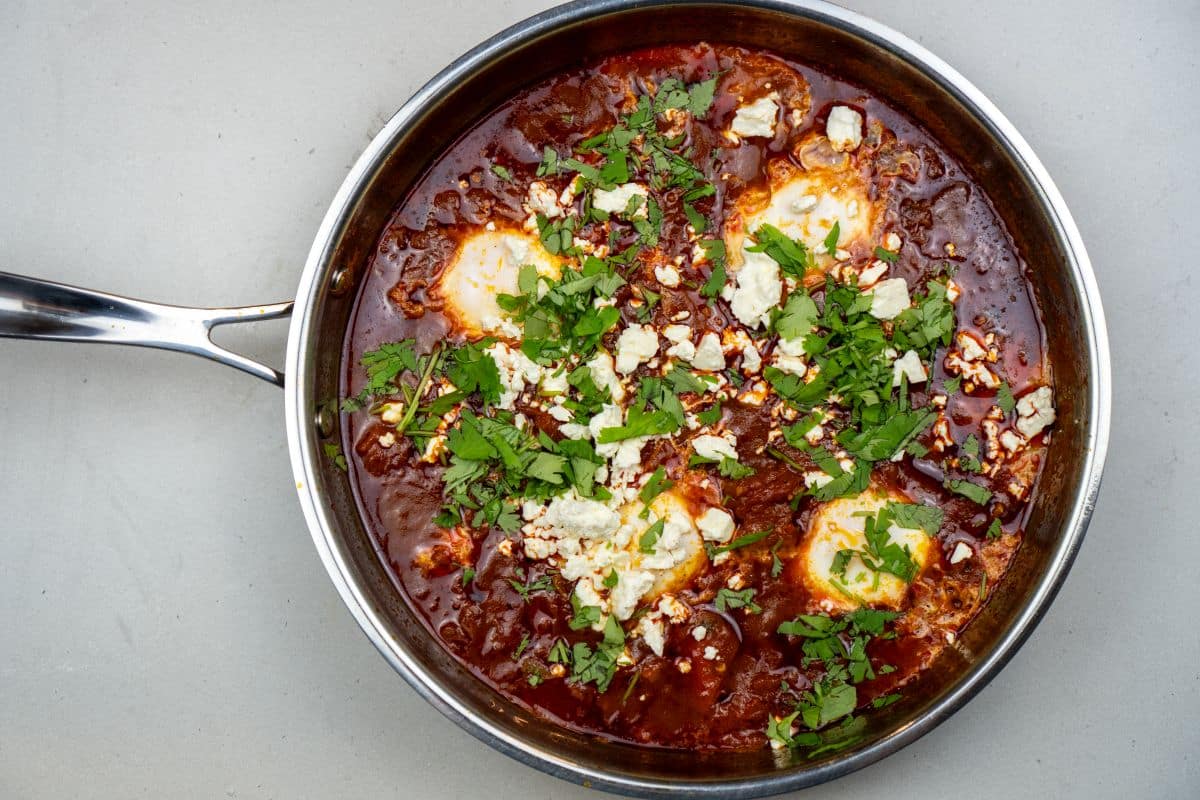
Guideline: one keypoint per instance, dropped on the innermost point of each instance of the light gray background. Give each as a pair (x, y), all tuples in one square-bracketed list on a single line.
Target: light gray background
[(167, 629)]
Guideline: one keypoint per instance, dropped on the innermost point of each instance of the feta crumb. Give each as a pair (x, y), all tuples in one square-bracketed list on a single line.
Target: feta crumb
[(652, 632), (516, 371), (677, 333), (1035, 411), (560, 414), (892, 241), (970, 347), (391, 413), (573, 430), (817, 478), (714, 447), (716, 525), (667, 275), (751, 360), (699, 632), (554, 383), (759, 290), (710, 653), (793, 364), (757, 118), (615, 201), (636, 344), (962, 551), (605, 376), (387, 440), (672, 608), (1011, 441), (685, 350), (889, 298), (709, 356), (908, 365), (542, 200), (844, 128), (871, 275)]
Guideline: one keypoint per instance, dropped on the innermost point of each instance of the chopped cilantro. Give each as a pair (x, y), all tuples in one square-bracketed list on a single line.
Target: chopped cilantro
[(1005, 399), (912, 515), (972, 491), (886, 256), (729, 599)]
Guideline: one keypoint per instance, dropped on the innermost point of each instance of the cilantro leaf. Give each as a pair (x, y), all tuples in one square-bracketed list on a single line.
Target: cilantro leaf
[(913, 516), (969, 490)]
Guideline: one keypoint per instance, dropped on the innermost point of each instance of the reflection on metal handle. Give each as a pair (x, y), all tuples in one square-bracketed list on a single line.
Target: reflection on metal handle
[(37, 309)]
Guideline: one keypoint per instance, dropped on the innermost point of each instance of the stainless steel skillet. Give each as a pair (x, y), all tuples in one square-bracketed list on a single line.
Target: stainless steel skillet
[(826, 36)]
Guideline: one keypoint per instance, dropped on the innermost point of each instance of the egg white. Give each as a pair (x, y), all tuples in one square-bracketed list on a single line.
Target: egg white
[(840, 525), (487, 263)]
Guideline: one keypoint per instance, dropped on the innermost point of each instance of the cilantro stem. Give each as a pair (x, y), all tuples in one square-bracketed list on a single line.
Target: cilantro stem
[(411, 411), (779, 455)]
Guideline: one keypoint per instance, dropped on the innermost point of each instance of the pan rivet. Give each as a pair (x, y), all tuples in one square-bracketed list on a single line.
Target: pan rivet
[(339, 282), (325, 421)]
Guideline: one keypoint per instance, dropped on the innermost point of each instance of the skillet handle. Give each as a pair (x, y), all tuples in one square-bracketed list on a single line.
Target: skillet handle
[(37, 309)]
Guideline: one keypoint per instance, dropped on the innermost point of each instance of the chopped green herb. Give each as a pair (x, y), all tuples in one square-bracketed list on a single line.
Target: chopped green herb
[(1005, 399), (729, 599), (972, 491)]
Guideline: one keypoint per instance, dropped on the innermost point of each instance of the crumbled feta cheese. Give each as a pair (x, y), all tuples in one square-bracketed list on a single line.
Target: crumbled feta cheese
[(709, 356), (714, 447), (672, 608), (685, 350), (653, 633), (844, 128), (962, 551), (757, 118), (554, 383), (758, 291), (793, 364), (391, 413), (909, 365), (1035, 411), (1011, 441), (667, 275), (816, 478), (560, 414), (387, 440), (791, 347), (892, 241), (605, 376), (635, 345), (615, 201), (573, 430), (889, 298), (716, 525), (710, 653), (624, 597), (871, 275), (973, 371), (516, 371), (814, 435), (970, 347), (699, 632), (542, 200), (751, 360), (677, 333)]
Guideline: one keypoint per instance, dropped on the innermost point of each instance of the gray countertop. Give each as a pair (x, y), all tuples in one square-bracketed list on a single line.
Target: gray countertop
[(167, 628)]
